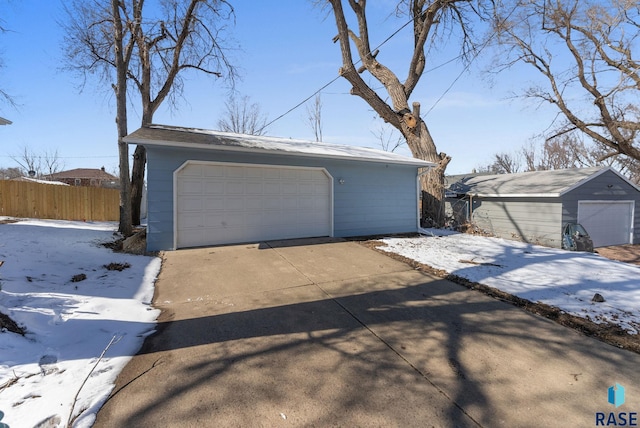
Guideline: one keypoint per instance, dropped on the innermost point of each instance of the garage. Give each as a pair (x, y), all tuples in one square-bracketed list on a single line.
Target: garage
[(535, 206), (223, 203), (207, 187), (607, 222)]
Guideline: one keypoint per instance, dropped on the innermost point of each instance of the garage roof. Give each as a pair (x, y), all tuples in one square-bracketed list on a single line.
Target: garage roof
[(172, 136), (529, 184)]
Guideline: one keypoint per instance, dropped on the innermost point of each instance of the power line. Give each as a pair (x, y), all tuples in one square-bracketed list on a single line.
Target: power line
[(300, 103), (359, 60), (335, 78), (62, 157)]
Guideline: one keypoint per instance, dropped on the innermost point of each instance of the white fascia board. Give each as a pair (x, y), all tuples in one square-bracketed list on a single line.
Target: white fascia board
[(186, 145)]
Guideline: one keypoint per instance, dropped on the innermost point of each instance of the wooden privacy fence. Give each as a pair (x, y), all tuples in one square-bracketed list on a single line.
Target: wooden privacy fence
[(36, 200)]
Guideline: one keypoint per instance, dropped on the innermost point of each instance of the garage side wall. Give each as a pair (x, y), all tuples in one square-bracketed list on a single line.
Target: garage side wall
[(605, 187), (533, 220), (369, 198)]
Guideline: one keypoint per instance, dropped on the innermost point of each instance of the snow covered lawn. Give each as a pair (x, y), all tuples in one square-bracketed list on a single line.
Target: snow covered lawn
[(563, 279), (75, 298)]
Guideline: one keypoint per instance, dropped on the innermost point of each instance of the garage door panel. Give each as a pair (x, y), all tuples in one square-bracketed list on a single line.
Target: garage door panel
[(214, 220), (256, 173), (233, 203), (192, 171), (290, 189), (212, 173), (211, 187), (191, 220), (607, 222), (218, 204), (253, 204), (191, 203), (254, 187), (190, 186), (306, 188), (234, 187), (307, 203), (320, 190), (272, 203), (213, 203), (289, 204), (271, 187), (234, 171), (288, 174), (253, 218)]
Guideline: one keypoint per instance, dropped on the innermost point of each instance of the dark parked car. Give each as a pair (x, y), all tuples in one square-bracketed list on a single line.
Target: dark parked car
[(576, 238)]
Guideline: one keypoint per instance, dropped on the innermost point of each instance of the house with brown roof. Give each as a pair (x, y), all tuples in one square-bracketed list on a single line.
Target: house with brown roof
[(87, 177)]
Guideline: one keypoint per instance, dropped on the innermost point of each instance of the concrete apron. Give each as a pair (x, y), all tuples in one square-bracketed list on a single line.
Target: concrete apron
[(334, 334)]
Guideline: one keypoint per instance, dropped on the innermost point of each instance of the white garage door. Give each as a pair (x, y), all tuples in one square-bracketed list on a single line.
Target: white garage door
[(231, 203), (607, 222)]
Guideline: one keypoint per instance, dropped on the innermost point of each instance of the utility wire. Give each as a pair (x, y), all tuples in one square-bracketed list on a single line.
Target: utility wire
[(300, 103), (336, 78), (62, 157), (464, 70)]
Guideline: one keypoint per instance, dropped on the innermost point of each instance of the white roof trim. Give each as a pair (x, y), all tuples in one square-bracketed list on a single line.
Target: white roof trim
[(4, 121), (264, 145)]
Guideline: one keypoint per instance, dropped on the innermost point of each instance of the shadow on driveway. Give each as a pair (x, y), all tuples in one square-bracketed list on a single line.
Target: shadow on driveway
[(393, 348)]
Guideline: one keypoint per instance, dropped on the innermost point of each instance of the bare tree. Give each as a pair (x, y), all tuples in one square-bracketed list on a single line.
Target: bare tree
[(314, 116), (51, 162), (9, 173), (562, 153), (432, 21), (146, 53), (29, 161), (243, 117), (587, 53), (5, 98), (506, 163), (38, 165), (390, 140)]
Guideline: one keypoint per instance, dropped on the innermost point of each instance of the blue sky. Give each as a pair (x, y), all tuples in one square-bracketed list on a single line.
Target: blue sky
[(285, 55)]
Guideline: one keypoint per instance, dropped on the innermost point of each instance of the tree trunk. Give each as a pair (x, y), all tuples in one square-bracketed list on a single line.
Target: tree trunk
[(125, 226), (422, 147), (432, 182), (137, 183)]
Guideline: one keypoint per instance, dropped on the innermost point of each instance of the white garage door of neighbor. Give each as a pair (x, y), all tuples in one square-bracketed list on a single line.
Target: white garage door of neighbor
[(607, 222), (231, 203)]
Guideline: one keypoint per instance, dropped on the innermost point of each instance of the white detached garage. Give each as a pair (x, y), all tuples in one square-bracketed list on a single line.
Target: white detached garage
[(211, 188)]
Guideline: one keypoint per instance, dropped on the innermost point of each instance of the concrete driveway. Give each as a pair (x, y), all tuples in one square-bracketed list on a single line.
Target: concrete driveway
[(330, 333)]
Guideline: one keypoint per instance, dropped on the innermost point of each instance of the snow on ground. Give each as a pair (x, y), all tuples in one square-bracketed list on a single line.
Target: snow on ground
[(55, 371), (563, 279)]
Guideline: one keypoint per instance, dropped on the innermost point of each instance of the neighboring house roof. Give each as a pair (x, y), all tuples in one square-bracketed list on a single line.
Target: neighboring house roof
[(171, 136), (35, 180), (4, 121), (83, 173), (552, 183)]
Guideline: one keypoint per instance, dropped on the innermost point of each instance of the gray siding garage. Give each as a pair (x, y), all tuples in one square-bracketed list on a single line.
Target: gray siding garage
[(534, 206), (210, 188)]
